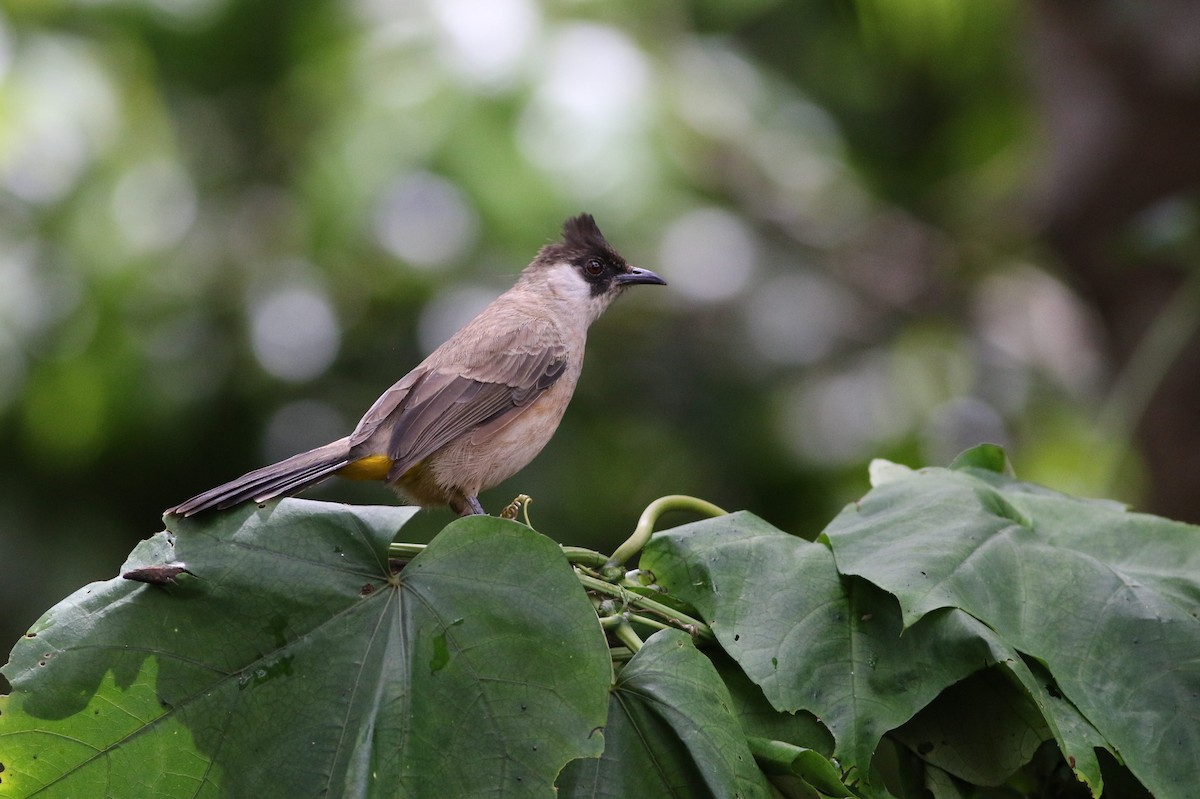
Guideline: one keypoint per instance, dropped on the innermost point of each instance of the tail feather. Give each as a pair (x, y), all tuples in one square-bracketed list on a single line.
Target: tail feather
[(271, 482)]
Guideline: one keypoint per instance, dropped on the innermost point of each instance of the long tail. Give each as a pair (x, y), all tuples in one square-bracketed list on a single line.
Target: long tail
[(270, 482)]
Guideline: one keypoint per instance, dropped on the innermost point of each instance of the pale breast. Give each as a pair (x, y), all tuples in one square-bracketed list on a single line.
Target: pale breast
[(495, 452)]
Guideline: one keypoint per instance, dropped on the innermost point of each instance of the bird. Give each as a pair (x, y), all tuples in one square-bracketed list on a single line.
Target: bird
[(481, 406)]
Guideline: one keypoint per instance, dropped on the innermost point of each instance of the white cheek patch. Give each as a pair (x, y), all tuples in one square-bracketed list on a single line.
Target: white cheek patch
[(567, 283), (570, 287)]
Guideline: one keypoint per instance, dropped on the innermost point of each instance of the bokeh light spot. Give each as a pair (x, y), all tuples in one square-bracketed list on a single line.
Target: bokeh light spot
[(154, 205), (487, 40), (6, 48), (1031, 316), (587, 115), (62, 110), (708, 255), (449, 311), (35, 293), (842, 418), (425, 221), (959, 424), (295, 332), (800, 317)]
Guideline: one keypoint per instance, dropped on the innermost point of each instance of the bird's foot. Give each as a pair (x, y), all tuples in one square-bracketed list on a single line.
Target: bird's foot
[(469, 506)]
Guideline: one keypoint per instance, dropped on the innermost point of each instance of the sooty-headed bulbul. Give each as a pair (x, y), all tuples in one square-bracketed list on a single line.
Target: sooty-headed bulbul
[(483, 404)]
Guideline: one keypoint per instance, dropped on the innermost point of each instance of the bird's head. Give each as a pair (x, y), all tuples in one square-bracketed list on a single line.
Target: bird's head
[(583, 270)]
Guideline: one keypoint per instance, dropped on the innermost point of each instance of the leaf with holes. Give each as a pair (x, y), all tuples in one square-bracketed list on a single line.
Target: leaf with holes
[(291, 659), (810, 639), (1107, 600), (836, 646)]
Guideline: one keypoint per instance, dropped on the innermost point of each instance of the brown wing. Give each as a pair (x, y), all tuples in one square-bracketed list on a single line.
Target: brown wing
[(434, 405)]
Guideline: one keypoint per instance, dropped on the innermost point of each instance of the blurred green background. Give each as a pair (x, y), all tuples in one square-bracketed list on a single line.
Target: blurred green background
[(891, 229)]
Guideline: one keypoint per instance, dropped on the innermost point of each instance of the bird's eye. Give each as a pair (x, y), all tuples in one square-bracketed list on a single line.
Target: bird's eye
[(593, 267)]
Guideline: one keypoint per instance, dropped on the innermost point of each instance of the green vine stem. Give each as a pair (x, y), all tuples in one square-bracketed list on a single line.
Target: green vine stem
[(646, 621), (405, 551), (645, 527), (585, 560), (582, 556), (575, 555), (682, 620), (625, 634), (615, 621)]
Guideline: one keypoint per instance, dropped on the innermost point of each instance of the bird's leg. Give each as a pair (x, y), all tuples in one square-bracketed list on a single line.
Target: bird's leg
[(468, 506)]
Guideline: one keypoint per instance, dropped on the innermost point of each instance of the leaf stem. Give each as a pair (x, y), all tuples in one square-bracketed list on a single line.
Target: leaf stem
[(683, 620), (617, 619), (649, 517), (584, 556), (638, 618), (627, 636), (405, 551), (585, 560)]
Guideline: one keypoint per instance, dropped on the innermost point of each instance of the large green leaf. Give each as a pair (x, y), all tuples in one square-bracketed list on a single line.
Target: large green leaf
[(793, 749), (1107, 600), (810, 638), (671, 732), (981, 729), (759, 719), (293, 660)]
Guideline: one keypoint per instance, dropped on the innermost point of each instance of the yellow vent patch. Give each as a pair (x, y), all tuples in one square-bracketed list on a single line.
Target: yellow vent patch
[(372, 467)]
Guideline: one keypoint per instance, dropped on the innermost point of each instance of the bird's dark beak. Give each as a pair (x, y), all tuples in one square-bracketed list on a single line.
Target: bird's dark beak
[(638, 275)]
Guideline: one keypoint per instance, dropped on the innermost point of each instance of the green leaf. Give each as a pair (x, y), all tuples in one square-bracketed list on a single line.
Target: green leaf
[(987, 457), (105, 748), (810, 639), (980, 753), (759, 719), (1077, 738), (941, 785), (762, 722), (1107, 600), (293, 660), (671, 732)]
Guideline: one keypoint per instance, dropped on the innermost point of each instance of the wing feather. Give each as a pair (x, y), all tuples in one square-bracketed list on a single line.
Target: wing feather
[(439, 402), (463, 405)]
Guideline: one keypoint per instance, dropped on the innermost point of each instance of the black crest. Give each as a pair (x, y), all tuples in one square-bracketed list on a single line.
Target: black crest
[(585, 246), (580, 233), (582, 239)]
